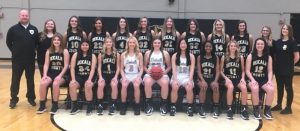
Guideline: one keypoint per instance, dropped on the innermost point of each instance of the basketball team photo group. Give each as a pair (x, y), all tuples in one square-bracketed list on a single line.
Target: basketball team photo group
[(140, 69)]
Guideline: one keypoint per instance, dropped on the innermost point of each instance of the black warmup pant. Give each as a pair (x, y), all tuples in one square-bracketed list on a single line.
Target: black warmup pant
[(17, 71), (284, 81)]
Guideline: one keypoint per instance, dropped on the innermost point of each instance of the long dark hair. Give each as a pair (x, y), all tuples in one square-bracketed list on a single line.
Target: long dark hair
[(94, 28), (187, 53), (161, 49), (237, 31), (126, 27), (265, 50), (290, 29), (189, 24), (79, 29), (80, 52)]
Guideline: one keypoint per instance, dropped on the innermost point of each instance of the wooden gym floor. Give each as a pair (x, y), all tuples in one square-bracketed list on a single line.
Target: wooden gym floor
[(24, 117)]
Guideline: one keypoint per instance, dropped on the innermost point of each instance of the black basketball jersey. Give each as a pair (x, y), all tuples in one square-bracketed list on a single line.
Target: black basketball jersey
[(97, 41), (83, 66), (219, 43), (120, 41), (208, 67), (194, 40), (169, 43), (109, 65), (56, 63), (243, 44), (259, 68), (73, 41), (144, 41), (233, 68)]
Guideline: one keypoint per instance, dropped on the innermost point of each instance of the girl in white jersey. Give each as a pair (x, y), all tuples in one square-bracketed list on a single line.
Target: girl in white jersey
[(156, 57), (131, 71), (183, 64)]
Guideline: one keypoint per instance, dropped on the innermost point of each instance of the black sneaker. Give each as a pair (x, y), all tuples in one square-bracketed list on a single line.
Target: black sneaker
[(190, 111), (163, 110), (74, 110), (276, 108), (216, 112), (13, 103), (54, 109), (201, 112), (100, 110), (111, 110), (32, 102), (41, 110), (286, 111), (256, 114), (137, 110), (172, 110), (244, 114), (89, 109), (148, 110), (230, 114), (123, 109), (268, 114)]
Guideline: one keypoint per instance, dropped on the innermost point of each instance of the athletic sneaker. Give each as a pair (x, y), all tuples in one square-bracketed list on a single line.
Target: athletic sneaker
[(256, 114), (54, 109), (137, 110), (89, 109), (111, 110), (100, 110), (286, 111), (172, 110), (41, 110), (268, 114), (148, 110), (123, 109), (190, 111), (230, 114), (216, 112), (276, 108), (163, 110), (201, 112), (244, 114), (74, 110)]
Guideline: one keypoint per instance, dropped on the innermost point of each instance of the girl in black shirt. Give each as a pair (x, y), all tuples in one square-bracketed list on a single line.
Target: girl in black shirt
[(121, 35), (286, 55), (45, 42)]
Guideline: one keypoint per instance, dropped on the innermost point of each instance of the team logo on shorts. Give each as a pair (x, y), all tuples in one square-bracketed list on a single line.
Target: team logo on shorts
[(31, 32)]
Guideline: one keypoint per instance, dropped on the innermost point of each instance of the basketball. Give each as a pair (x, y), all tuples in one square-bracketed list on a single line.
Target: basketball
[(156, 72)]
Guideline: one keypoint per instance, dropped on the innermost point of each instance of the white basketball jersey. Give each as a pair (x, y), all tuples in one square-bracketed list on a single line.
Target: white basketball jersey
[(156, 60), (131, 64), (183, 70)]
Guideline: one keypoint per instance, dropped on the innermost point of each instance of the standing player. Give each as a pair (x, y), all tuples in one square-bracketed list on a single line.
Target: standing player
[(131, 71), (108, 71), (55, 67), (232, 70), (169, 36), (97, 36), (259, 71), (286, 55), (183, 64), (243, 38), (208, 73), (156, 57), (74, 35), (219, 38), (45, 43), (144, 35), (266, 34), (121, 35), (83, 64), (194, 37)]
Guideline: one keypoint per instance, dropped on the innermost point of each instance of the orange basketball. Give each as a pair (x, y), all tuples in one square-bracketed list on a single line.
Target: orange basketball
[(156, 72)]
